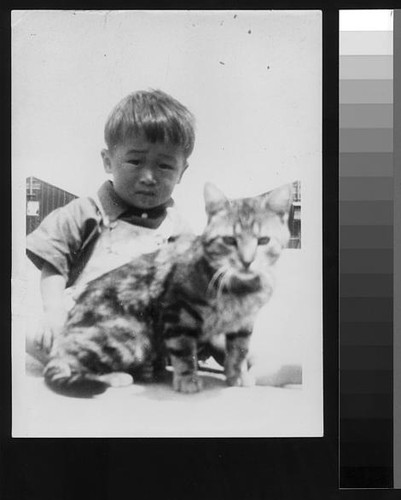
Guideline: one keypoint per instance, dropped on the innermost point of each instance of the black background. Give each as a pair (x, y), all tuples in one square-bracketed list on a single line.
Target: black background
[(209, 469)]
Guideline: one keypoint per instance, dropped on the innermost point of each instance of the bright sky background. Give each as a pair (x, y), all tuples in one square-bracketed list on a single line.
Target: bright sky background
[(252, 79)]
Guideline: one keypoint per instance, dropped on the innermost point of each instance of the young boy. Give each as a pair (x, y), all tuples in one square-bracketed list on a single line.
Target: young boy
[(149, 137)]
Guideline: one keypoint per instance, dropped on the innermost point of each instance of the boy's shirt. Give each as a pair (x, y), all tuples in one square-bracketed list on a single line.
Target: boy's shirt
[(75, 239)]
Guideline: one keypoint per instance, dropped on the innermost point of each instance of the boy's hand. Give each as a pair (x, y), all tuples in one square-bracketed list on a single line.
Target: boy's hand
[(54, 319), (52, 286), (54, 322), (39, 340)]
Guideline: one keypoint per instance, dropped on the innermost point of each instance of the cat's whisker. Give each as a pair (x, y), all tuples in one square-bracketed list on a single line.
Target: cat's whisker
[(228, 281), (224, 283), (220, 289), (219, 273)]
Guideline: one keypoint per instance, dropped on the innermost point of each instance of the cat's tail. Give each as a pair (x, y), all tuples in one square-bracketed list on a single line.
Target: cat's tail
[(63, 379)]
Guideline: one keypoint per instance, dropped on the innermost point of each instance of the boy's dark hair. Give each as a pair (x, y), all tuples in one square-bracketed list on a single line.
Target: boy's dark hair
[(156, 114)]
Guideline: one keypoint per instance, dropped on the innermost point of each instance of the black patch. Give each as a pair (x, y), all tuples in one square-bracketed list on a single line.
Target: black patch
[(89, 318), (142, 314), (179, 330), (244, 287), (235, 335), (91, 360), (78, 386), (113, 352), (184, 352), (182, 304), (110, 295), (171, 316)]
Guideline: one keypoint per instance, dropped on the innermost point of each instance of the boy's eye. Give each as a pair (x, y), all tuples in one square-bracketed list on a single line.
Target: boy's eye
[(264, 240), (165, 166), (229, 240), (134, 162)]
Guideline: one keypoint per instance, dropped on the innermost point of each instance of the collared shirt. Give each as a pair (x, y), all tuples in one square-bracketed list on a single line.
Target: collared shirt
[(116, 208), (66, 237)]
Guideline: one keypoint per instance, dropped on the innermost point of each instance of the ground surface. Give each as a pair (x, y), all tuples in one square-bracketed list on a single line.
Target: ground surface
[(156, 410)]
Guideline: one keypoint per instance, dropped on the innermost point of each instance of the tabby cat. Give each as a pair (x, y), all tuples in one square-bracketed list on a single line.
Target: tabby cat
[(177, 301)]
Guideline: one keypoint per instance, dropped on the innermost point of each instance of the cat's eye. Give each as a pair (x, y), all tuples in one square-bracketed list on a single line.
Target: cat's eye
[(229, 240), (264, 240)]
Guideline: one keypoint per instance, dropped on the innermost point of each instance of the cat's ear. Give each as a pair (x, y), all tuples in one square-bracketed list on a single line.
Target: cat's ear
[(280, 199), (215, 200)]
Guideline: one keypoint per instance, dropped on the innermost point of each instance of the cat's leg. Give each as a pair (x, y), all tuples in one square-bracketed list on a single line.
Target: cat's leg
[(85, 361), (145, 372), (236, 366), (181, 331), (126, 351), (152, 369), (183, 353), (151, 366)]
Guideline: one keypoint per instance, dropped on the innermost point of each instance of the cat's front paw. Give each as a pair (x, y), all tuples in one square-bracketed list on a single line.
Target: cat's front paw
[(188, 384), (244, 379)]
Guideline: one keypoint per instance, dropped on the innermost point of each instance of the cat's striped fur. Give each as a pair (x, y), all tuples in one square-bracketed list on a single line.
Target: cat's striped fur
[(177, 300)]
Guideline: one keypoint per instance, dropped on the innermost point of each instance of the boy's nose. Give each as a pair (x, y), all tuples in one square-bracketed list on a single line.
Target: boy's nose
[(147, 177)]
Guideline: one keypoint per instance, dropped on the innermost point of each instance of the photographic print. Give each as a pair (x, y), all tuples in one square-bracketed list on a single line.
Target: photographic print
[(167, 223)]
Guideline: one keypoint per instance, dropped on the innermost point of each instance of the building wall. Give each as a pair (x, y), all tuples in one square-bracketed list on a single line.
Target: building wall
[(295, 218), (41, 199)]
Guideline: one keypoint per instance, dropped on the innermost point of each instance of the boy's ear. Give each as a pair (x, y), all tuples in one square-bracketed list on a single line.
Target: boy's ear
[(106, 161), (215, 200), (182, 173)]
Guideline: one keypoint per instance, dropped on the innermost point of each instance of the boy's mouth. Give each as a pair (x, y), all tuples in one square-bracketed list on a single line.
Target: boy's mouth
[(146, 193)]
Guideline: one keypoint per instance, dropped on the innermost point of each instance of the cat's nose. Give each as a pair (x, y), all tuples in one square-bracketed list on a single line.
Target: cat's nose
[(247, 252), (246, 264)]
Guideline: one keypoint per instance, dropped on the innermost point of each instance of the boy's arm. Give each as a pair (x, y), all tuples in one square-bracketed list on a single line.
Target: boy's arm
[(52, 287), (55, 249), (60, 237)]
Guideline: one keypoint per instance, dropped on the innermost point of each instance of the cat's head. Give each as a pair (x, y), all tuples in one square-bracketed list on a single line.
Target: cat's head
[(244, 237)]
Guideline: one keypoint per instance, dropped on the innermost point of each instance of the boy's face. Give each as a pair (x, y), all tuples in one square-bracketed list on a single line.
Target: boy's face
[(144, 173)]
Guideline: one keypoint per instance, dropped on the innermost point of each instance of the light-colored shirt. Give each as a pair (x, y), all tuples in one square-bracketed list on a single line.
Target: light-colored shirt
[(90, 236)]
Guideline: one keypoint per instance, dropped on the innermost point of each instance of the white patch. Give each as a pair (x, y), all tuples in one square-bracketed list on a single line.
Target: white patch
[(117, 379)]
